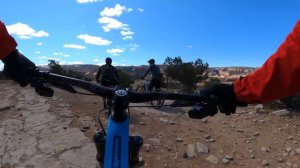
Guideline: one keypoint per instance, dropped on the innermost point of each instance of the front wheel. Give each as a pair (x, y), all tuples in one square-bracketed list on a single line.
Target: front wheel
[(157, 103)]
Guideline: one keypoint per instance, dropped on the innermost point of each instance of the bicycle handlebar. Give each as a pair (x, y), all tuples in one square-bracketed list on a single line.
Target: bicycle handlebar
[(203, 106), (107, 92)]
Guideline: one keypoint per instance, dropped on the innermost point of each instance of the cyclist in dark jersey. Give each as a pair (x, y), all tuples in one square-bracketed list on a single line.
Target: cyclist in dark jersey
[(156, 76), (107, 74)]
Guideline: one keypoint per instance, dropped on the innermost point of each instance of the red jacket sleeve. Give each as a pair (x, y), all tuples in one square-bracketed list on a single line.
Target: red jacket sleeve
[(279, 76), (7, 43)]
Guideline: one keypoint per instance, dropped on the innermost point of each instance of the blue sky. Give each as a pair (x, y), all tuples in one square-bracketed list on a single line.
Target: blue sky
[(221, 32)]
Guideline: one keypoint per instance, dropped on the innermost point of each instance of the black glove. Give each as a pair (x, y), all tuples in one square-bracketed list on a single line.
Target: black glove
[(226, 98), (18, 67), (142, 77)]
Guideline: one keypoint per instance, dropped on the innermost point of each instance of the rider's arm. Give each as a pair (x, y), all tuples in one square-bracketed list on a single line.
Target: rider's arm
[(149, 69), (7, 43), (279, 76), (16, 65)]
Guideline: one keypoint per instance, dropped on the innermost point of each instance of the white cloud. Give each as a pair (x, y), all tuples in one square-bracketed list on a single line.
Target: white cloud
[(111, 12), (111, 23), (127, 37), (106, 29), (115, 51), (127, 34), (87, 1), (24, 31), (119, 64), (39, 43), (37, 52), (74, 46), (40, 34), (126, 28), (96, 60), (61, 54), (24, 37), (190, 46), (140, 9), (93, 40), (133, 46)]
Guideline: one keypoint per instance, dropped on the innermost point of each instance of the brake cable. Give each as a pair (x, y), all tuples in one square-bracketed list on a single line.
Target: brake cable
[(99, 121)]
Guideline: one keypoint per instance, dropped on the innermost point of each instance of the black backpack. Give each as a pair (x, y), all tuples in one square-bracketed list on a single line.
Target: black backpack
[(108, 74)]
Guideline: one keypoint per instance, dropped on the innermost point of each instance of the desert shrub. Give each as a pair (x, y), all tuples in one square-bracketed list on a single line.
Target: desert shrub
[(54, 67), (187, 73), (125, 79), (211, 81)]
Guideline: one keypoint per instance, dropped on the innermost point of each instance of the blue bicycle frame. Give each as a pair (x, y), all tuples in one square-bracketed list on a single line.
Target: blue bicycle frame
[(120, 149), (116, 147)]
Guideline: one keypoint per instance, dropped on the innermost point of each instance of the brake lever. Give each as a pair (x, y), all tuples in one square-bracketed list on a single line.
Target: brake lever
[(41, 86), (202, 110), (44, 91)]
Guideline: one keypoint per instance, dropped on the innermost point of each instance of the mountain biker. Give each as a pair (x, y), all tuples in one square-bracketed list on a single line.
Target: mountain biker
[(156, 76), (279, 77), (107, 74), (16, 65)]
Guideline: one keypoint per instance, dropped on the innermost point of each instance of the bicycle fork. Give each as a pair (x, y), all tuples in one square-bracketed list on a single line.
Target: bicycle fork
[(135, 144)]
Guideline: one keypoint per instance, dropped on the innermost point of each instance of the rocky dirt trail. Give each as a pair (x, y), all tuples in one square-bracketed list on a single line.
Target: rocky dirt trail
[(33, 133), (57, 132)]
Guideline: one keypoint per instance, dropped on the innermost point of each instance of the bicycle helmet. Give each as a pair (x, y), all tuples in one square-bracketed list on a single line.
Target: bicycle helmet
[(108, 60), (151, 61)]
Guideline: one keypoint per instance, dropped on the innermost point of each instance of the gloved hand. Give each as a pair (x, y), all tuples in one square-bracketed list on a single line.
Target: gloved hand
[(18, 67), (226, 98), (142, 77)]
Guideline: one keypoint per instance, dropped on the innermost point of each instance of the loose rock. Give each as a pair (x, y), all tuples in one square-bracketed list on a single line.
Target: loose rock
[(265, 163), (229, 157), (207, 136), (213, 159), (281, 113), (297, 151), (225, 161), (179, 140), (191, 151), (202, 148)]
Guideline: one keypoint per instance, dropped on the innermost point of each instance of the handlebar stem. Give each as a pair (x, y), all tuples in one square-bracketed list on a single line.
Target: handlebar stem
[(120, 105)]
